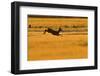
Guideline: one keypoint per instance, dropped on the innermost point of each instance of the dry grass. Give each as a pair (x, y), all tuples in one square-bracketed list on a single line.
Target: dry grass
[(49, 47), (69, 45)]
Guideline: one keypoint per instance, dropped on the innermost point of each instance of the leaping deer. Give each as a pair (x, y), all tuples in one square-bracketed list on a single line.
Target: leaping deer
[(53, 32)]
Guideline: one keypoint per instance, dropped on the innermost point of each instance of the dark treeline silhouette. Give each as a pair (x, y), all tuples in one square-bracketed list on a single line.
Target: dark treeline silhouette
[(75, 26), (64, 26)]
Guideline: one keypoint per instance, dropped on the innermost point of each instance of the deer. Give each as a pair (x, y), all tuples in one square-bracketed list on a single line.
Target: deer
[(53, 32)]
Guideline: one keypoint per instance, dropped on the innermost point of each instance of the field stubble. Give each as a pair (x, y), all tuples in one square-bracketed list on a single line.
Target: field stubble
[(49, 47)]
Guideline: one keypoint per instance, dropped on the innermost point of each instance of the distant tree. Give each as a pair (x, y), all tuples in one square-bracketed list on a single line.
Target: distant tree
[(30, 26)]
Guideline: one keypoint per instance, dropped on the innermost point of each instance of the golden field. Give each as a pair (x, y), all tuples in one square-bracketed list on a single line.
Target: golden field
[(68, 45)]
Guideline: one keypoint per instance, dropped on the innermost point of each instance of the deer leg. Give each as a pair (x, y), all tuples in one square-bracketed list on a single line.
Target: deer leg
[(44, 31)]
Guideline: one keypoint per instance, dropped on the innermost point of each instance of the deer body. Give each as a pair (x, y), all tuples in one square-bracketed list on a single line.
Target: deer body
[(53, 32)]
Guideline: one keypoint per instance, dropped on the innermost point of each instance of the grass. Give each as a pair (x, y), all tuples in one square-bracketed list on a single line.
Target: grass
[(49, 47), (71, 44)]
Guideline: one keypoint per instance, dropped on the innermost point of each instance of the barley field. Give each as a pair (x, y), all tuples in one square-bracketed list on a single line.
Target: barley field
[(72, 43)]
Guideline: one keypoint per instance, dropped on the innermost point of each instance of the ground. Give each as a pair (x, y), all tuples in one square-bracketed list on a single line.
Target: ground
[(50, 47), (71, 44)]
